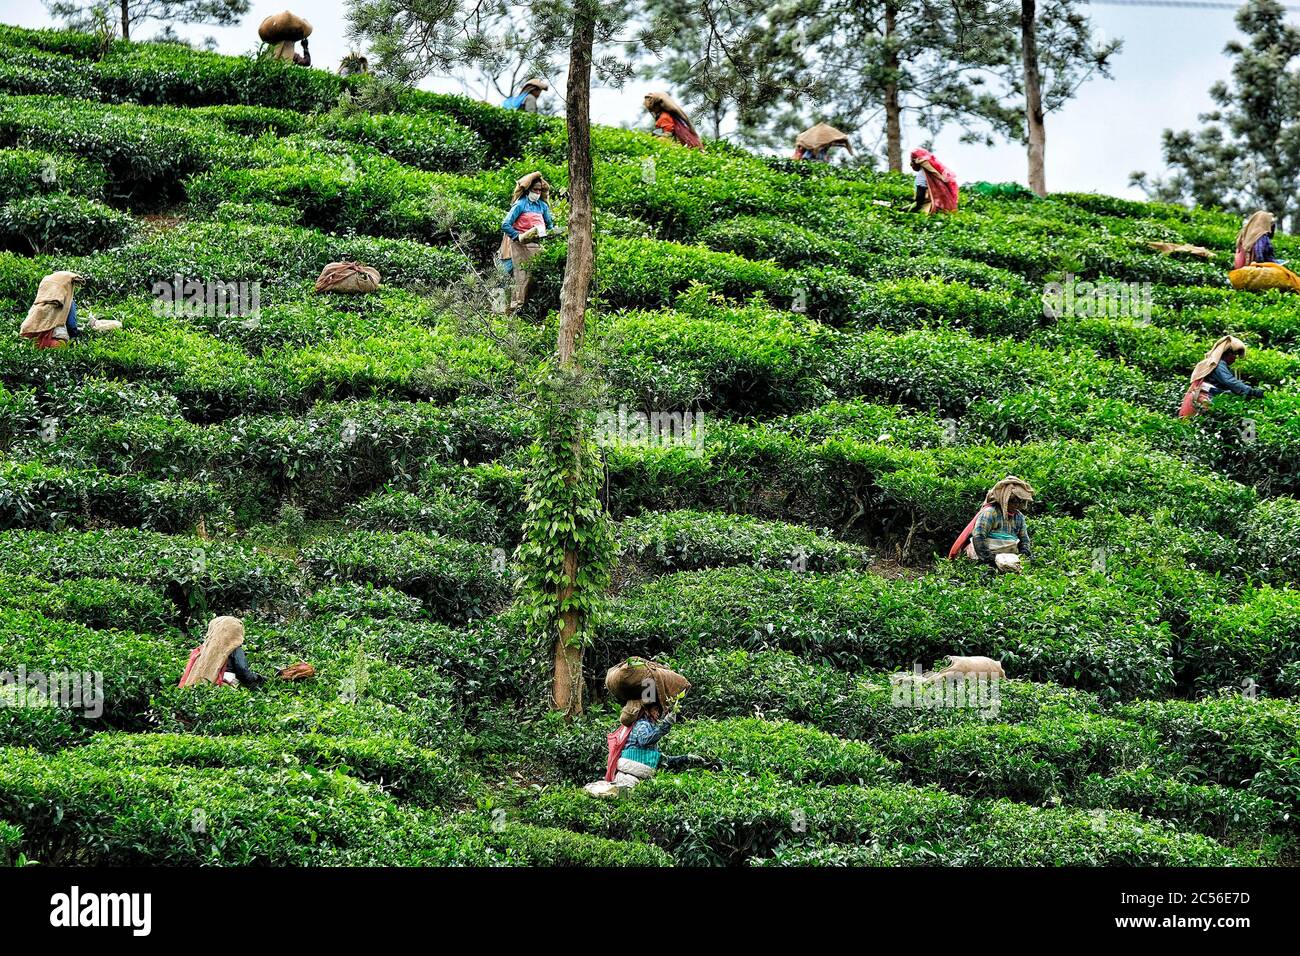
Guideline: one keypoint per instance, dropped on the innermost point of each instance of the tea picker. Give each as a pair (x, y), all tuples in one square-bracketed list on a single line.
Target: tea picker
[(1213, 376), (528, 95), (816, 143), (282, 31), (1255, 266), (220, 660), (936, 185), (650, 693), (528, 221), (52, 321), (997, 535), (671, 121)]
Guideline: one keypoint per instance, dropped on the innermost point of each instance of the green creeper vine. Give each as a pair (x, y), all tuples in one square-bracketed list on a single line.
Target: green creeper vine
[(564, 512)]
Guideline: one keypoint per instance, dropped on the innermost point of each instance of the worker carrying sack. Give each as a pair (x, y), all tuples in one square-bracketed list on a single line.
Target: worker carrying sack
[(356, 277), (49, 312), (284, 27), (636, 677), (1262, 276), (207, 663)]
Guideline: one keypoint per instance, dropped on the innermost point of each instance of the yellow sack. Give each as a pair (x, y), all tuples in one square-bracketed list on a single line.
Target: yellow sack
[(1262, 276)]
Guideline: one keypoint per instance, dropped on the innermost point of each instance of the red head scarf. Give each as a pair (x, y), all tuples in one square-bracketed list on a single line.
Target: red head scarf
[(939, 179)]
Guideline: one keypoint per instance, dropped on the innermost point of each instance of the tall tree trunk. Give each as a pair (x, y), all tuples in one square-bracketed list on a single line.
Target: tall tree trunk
[(126, 19), (893, 114), (566, 689), (1033, 96)]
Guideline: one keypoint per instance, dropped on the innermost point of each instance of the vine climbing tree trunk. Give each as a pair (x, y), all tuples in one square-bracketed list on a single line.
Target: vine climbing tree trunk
[(566, 690), (1033, 97)]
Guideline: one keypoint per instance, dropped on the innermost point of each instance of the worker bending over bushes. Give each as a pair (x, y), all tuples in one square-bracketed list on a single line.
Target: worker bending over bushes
[(528, 220), (671, 121), (1213, 376), (1255, 267), (816, 143), (220, 659), (528, 95), (51, 322), (936, 186), (641, 757), (1255, 240), (634, 753), (282, 31), (997, 535)]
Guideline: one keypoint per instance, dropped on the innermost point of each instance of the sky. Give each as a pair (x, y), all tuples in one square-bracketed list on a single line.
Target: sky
[(1161, 80)]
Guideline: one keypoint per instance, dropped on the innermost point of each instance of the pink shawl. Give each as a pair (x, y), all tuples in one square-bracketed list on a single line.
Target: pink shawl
[(939, 180)]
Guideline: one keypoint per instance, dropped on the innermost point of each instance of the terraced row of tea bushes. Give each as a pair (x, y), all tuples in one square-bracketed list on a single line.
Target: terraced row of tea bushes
[(144, 153), (27, 172), (34, 495), (1038, 741), (323, 458), (1166, 352), (456, 580), (60, 222), (1062, 756), (1043, 626), (133, 666), (1270, 318), (192, 572), (1097, 762), (379, 199), (91, 807), (690, 540), (710, 819), (94, 602), (213, 376), (424, 777), (154, 74), (441, 512), (278, 257), (176, 75), (488, 660), (840, 482)]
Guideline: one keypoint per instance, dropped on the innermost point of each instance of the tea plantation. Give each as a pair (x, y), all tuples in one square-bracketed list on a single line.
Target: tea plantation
[(346, 474)]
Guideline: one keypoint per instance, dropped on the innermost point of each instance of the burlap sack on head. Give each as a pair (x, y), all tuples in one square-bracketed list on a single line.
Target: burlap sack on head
[(348, 277), (664, 103), (821, 136), (225, 636), (630, 680), (53, 303), (280, 27), (300, 671)]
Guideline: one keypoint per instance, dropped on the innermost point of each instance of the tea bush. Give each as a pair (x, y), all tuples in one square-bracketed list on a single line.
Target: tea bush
[(706, 818), (61, 223), (25, 172), (456, 580), (690, 540)]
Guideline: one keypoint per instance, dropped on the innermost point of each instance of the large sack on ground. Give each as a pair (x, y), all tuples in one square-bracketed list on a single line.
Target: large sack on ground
[(1181, 248), (280, 27), (631, 679), (348, 277), (1263, 276)]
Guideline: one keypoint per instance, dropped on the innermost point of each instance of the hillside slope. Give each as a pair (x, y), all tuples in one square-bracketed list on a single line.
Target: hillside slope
[(346, 472)]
